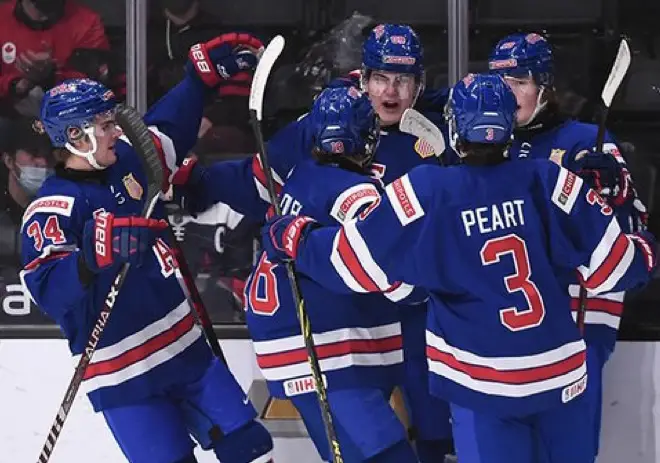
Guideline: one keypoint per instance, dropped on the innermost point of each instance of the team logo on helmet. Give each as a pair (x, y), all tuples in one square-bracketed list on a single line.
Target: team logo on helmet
[(503, 64), (507, 45), (423, 148), (62, 88), (391, 59), (490, 134), (133, 187), (379, 30), (534, 38), (9, 52), (398, 39)]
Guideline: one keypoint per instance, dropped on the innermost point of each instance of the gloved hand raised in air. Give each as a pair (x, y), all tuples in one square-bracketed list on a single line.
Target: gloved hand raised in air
[(223, 57), (108, 240)]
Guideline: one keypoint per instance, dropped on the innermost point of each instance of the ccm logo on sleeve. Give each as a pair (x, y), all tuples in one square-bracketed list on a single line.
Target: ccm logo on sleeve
[(404, 200)]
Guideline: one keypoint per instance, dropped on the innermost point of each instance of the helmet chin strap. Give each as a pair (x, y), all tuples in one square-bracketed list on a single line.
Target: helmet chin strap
[(89, 155), (453, 140), (540, 105)]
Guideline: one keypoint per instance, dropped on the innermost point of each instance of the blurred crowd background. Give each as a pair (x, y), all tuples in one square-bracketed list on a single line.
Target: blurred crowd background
[(45, 41)]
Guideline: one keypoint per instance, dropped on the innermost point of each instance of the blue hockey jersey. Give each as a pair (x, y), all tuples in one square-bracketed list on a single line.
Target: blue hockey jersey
[(500, 336), (357, 336), (564, 144), (242, 184), (151, 341)]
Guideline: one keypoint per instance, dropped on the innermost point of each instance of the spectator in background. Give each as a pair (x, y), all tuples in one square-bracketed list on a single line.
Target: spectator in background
[(44, 42), (26, 162), (225, 126)]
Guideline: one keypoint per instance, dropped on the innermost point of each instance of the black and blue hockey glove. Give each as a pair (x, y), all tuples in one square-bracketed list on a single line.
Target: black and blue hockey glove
[(108, 240), (223, 57), (281, 236)]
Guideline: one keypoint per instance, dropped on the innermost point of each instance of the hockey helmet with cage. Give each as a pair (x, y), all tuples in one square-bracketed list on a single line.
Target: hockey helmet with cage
[(68, 112)]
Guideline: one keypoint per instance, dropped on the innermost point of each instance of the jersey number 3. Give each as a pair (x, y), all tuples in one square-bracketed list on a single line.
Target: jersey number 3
[(514, 318)]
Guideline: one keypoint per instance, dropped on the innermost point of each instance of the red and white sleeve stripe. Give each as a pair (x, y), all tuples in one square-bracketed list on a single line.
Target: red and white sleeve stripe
[(609, 261), (260, 178), (354, 263)]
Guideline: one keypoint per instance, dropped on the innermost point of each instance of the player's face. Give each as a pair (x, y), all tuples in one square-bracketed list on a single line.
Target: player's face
[(527, 94), (391, 94), (106, 131)]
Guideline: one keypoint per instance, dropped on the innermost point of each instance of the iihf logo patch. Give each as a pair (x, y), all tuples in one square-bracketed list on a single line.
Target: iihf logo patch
[(133, 187), (423, 148)]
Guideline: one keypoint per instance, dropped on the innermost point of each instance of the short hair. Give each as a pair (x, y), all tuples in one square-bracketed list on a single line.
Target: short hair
[(26, 137)]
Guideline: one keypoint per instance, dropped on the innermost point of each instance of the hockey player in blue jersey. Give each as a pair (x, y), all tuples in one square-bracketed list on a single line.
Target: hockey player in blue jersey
[(152, 376), (393, 78), (502, 346), (357, 336), (526, 62)]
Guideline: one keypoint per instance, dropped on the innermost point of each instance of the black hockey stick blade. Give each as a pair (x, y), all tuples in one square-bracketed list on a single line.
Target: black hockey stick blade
[(141, 139)]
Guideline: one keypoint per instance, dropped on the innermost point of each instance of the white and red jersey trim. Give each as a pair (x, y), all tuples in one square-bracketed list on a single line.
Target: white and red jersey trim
[(352, 200), (520, 376), (166, 151), (404, 200), (602, 309), (354, 263), (143, 350), (54, 204), (286, 358), (609, 261), (260, 179)]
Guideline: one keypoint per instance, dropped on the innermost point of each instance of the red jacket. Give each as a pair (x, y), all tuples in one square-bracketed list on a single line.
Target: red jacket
[(79, 28)]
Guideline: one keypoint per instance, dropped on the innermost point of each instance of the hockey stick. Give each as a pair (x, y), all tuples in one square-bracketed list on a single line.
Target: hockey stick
[(257, 91), (618, 72), (135, 130), (194, 298), (415, 123)]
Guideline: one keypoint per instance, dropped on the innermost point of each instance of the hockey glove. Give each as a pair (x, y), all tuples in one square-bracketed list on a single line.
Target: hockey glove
[(186, 191), (222, 57), (611, 179), (607, 176), (281, 236), (108, 240)]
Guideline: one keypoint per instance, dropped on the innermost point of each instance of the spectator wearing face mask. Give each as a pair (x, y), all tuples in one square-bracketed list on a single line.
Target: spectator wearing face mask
[(27, 161), (41, 42)]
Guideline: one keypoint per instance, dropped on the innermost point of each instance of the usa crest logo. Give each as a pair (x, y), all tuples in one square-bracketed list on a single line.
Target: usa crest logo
[(423, 148), (133, 187)]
